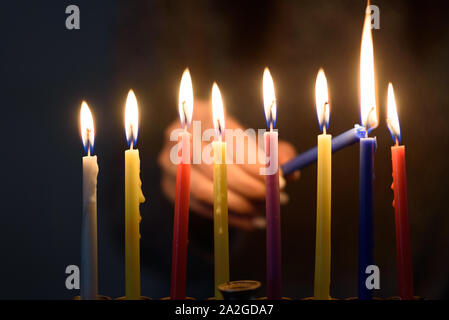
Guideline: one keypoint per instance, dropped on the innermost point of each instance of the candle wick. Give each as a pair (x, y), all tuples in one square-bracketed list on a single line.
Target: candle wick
[(271, 115), (397, 141), (219, 130), (132, 135), (184, 112), (324, 129), (370, 114), (88, 141)]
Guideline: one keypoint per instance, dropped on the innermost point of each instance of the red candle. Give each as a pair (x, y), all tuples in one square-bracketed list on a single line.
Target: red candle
[(400, 203), (181, 222)]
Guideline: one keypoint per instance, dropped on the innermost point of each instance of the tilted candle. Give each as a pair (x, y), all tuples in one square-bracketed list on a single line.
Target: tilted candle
[(221, 236), (133, 198), (323, 209), (181, 217), (400, 203), (273, 208), (310, 156), (369, 119), (89, 246)]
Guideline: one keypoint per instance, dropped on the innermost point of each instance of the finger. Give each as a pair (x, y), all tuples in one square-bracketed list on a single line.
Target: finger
[(244, 183), (168, 185), (241, 222), (201, 208), (293, 176), (165, 163), (286, 151)]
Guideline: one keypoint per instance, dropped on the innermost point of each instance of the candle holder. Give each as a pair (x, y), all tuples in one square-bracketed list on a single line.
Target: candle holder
[(239, 290), (313, 298), (283, 298), (415, 298), (141, 298), (356, 298), (99, 297)]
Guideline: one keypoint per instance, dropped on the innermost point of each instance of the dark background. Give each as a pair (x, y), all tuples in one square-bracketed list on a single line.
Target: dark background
[(46, 70)]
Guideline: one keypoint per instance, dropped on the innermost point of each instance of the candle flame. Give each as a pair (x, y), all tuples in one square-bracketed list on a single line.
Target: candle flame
[(185, 102), (368, 107), (87, 128), (322, 100), (131, 119), (269, 99), (392, 115), (217, 111)]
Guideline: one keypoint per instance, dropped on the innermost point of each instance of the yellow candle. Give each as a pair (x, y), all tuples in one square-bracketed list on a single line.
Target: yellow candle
[(221, 236), (221, 242), (323, 218), (133, 198), (323, 211)]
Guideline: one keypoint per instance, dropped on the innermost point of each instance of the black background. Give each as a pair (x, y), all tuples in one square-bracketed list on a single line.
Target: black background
[(46, 70)]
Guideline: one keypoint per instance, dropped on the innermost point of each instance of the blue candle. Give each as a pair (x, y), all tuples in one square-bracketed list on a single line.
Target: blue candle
[(369, 119), (339, 142), (366, 237)]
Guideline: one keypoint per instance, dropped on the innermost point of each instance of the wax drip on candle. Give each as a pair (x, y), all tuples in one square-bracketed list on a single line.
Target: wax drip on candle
[(392, 184)]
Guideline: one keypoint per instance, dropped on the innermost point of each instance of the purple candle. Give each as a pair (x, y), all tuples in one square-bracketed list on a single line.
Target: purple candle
[(273, 208)]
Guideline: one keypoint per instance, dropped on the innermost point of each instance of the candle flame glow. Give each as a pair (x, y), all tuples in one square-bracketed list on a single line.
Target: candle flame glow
[(392, 115), (368, 107), (131, 119), (322, 100), (217, 111), (269, 99), (185, 102), (87, 128)]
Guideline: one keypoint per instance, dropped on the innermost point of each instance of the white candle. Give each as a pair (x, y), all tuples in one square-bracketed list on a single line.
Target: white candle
[(89, 265)]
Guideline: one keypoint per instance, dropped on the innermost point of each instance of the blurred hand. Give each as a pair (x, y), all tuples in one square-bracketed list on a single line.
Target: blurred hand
[(246, 187)]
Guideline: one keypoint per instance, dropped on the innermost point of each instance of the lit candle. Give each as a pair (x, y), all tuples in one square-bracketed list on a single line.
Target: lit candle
[(323, 210), (89, 257), (369, 119), (181, 222), (273, 209), (400, 203), (133, 198), (221, 237), (310, 156)]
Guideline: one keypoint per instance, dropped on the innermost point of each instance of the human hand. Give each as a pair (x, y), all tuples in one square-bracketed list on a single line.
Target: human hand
[(246, 187)]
